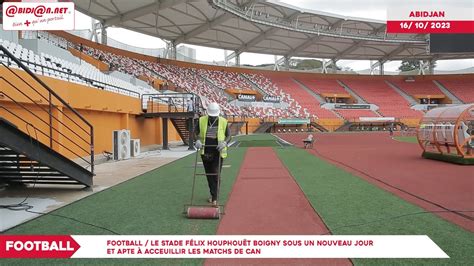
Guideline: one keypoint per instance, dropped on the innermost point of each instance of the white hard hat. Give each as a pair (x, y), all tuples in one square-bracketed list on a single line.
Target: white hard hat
[(213, 109)]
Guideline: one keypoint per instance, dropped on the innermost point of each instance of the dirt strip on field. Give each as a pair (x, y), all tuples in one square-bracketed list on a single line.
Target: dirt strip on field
[(266, 200)]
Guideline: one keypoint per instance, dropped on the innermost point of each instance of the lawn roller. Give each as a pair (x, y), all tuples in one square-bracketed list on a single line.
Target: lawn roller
[(196, 211)]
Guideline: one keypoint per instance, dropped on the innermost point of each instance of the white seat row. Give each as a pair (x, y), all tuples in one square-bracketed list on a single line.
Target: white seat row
[(52, 66)]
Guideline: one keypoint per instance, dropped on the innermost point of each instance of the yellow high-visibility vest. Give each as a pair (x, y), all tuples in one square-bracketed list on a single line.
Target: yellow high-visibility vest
[(203, 121)]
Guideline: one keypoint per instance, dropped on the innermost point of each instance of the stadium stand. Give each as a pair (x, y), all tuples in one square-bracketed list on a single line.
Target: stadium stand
[(50, 38), (210, 84), (390, 103), (225, 79), (463, 88), (265, 84), (188, 79), (304, 98), (418, 87), (354, 114), (184, 78), (84, 73), (321, 86), (271, 89), (192, 80), (197, 81), (331, 86)]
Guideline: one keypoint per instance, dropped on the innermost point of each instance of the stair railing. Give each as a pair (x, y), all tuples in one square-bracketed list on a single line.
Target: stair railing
[(54, 121), (175, 102)]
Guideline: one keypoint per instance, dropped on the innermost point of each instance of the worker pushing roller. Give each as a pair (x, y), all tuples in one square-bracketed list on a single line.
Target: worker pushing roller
[(212, 135)]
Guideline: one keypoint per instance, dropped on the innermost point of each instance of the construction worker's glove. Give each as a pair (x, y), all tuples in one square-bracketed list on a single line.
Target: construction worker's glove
[(221, 145), (198, 144)]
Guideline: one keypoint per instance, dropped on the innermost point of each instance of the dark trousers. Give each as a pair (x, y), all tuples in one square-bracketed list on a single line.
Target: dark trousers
[(189, 124), (211, 166)]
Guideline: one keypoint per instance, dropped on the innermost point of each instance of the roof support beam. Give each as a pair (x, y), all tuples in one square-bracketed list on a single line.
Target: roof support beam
[(237, 60), (375, 65), (141, 11), (326, 64), (276, 66), (209, 25), (338, 56), (398, 50), (262, 36), (233, 55), (303, 46), (94, 36), (349, 50), (427, 66), (103, 36), (356, 45), (285, 61), (311, 41), (206, 26), (431, 66), (170, 51), (257, 39), (135, 13)]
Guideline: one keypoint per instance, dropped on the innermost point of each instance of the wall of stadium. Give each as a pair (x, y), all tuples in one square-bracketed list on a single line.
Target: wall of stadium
[(106, 111)]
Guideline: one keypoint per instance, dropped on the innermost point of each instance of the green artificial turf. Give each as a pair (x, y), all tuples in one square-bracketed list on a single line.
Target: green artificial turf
[(257, 140), (150, 204), (254, 137), (259, 143), (342, 199), (409, 139)]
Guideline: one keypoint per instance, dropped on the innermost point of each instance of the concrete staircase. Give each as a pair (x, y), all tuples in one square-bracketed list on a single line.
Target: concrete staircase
[(254, 85), (402, 93), (315, 95), (219, 90), (446, 92), (264, 127), (352, 93)]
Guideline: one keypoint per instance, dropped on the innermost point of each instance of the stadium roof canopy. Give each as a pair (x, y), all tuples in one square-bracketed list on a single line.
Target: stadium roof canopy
[(267, 27)]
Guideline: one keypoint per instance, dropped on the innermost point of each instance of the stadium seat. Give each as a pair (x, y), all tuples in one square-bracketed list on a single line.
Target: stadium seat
[(390, 103), (461, 87)]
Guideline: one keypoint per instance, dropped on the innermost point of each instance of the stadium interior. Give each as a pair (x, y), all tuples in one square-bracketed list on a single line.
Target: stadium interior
[(134, 91), (63, 97)]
